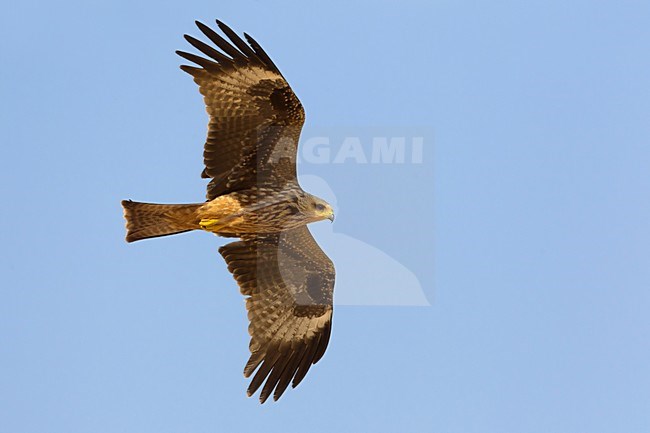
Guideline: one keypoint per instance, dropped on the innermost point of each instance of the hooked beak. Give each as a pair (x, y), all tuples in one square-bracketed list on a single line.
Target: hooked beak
[(331, 217)]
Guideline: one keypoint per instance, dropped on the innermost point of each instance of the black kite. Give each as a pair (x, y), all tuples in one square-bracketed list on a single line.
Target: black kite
[(254, 195)]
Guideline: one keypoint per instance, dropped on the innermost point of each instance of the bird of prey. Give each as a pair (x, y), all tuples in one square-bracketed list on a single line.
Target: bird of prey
[(254, 195)]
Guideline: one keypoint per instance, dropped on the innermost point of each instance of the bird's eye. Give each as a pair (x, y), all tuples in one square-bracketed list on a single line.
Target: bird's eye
[(320, 207)]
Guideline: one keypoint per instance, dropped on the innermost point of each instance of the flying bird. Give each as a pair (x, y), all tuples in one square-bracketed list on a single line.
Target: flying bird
[(254, 195)]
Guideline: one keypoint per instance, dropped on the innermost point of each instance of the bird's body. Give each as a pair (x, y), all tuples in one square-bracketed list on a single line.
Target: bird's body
[(254, 195), (249, 212)]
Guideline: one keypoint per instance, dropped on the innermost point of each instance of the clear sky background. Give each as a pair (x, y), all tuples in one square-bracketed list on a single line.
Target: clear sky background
[(527, 224)]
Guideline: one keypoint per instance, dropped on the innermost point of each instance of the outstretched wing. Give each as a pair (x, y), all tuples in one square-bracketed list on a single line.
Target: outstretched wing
[(255, 118), (289, 282)]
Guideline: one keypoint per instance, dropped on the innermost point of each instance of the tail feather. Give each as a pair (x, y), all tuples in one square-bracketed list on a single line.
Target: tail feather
[(148, 220)]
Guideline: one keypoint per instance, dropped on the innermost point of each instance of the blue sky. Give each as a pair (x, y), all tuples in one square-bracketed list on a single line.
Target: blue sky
[(526, 225)]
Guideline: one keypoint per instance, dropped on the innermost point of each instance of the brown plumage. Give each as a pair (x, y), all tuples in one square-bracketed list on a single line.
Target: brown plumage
[(289, 282), (147, 220), (253, 193)]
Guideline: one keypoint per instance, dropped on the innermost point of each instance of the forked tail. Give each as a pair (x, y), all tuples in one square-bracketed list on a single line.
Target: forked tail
[(148, 220)]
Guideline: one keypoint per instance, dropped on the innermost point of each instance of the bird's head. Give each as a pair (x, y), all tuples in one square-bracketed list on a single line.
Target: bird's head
[(317, 209)]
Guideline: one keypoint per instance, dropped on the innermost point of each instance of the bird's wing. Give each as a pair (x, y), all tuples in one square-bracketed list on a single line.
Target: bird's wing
[(289, 283), (255, 118)]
